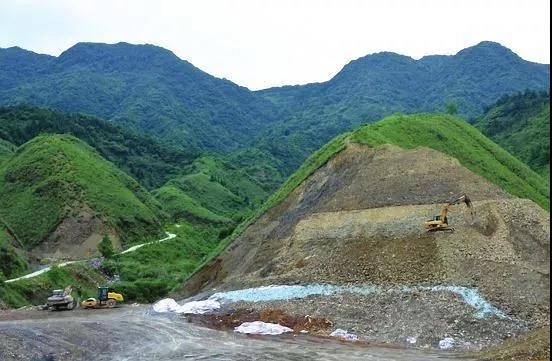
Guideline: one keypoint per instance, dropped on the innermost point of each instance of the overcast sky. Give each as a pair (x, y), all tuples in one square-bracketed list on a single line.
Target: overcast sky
[(263, 43)]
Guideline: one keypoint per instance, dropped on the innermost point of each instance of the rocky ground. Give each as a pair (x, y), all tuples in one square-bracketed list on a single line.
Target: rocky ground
[(359, 220)]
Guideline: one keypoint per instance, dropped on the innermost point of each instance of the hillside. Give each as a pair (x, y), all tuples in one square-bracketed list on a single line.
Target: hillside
[(211, 189), (347, 229), (520, 123), (144, 87), (147, 159), (6, 150), (377, 85), (149, 89), (58, 197)]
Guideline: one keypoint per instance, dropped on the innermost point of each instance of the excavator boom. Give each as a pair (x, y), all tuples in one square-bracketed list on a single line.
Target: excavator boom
[(440, 222)]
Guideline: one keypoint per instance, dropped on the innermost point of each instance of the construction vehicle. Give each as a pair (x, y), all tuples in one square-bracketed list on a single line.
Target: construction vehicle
[(105, 299), (440, 222), (61, 299)]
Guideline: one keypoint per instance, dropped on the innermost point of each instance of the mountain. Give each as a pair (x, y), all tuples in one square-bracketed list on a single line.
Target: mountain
[(211, 189), (381, 84), (345, 240), (149, 89), (58, 197), (149, 160), (520, 123), (463, 144), (144, 87)]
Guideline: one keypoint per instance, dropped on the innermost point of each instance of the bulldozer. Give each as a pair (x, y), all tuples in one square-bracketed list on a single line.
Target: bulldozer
[(440, 222), (105, 299), (61, 300)]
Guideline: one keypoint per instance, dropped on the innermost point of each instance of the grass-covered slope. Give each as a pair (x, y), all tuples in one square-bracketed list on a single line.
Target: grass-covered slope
[(53, 177), (445, 133), (448, 134), (6, 150), (146, 159), (211, 190), (520, 123), (458, 139)]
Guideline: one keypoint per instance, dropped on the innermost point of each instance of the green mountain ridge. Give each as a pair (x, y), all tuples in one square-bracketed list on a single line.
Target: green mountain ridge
[(55, 177), (442, 132), (211, 190), (520, 123), (147, 159), (143, 87), (382, 84), (149, 89)]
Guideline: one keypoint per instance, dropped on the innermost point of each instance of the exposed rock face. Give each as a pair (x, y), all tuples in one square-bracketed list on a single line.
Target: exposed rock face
[(358, 219)]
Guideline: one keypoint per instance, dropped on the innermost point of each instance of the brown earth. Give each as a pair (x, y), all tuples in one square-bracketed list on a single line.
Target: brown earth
[(230, 319), (76, 237), (358, 219)]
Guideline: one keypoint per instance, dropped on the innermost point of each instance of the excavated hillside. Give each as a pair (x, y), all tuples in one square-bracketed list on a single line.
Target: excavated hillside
[(358, 220)]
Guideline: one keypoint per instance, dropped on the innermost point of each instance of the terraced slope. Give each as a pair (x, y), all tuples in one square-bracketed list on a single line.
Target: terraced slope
[(354, 214)]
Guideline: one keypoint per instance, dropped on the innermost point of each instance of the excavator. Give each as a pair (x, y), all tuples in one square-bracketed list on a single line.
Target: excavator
[(440, 222)]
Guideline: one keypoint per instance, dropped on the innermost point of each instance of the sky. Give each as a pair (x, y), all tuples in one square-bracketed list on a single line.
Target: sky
[(265, 43)]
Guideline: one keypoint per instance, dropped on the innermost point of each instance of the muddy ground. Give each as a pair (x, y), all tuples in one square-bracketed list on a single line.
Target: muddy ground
[(134, 334)]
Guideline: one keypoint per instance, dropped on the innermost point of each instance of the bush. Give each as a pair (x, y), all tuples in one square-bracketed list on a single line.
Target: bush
[(106, 247), (143, 290)]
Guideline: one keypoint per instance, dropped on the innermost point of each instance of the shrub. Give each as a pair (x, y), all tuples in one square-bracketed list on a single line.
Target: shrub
[(106, 247)]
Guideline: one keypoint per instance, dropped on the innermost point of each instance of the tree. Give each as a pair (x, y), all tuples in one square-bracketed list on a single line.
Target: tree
[(451, 107), (106, 247)]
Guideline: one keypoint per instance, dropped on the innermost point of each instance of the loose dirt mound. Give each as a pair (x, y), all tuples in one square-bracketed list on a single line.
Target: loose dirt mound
[(358, 219)]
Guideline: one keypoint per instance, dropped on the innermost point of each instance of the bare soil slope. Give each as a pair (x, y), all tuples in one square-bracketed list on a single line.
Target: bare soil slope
[(358, 219)]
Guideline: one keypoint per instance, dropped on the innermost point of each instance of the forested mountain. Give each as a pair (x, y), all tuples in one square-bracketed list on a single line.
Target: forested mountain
[(147, 159), (380, 84), (150, 89), (140, 86), (520, 123)]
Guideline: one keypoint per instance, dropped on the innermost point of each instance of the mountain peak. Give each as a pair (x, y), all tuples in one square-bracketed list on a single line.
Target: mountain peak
[(117, 55), (488, 49)]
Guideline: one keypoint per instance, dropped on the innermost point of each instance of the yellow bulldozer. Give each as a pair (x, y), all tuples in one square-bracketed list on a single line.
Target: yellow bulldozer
[(105, 299), (440, 222)]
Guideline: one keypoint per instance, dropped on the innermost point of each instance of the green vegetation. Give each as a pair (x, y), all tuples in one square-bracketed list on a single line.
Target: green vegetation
[(58, 176), (142, 87), (379, 85), (520, 123), (105, 247), (12, 263), (181, 206), (6, 150), (211, 190), (144, 158), (153, 270), (35, 291), (149, 89), (458, 139), (445, 133)]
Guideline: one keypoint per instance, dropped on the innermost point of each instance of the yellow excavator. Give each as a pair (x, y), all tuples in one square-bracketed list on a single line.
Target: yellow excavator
[(440, 222)]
